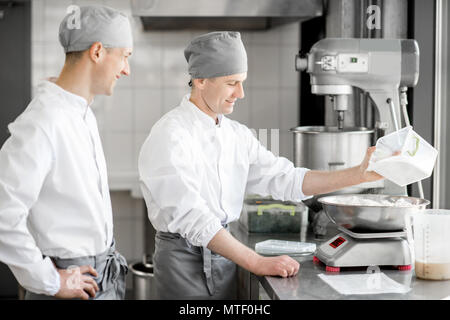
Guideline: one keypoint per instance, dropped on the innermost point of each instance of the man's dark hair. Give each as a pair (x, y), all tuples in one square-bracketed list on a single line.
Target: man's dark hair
[(74, 56)]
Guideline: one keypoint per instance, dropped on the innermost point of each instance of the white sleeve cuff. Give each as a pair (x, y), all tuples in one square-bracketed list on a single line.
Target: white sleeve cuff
[(40, 277), (297, 192), (54, 281), (210, 231)]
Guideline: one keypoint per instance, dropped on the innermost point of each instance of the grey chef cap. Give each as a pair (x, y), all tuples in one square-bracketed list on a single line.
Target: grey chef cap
[(216, 54), (86, 25)]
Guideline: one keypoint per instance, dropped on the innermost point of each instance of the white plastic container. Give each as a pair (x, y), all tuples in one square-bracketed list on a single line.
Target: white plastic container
[(414, 163), (429, 230)]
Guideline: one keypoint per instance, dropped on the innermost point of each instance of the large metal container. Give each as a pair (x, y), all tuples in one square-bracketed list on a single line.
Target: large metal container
[(373, 212), (328, 148)]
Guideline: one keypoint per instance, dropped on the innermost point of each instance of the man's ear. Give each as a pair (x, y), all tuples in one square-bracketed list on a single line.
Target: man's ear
[(96, 51), (199, 83)]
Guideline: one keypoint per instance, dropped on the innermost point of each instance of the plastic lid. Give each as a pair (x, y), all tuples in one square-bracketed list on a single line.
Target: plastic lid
[(275, 247)]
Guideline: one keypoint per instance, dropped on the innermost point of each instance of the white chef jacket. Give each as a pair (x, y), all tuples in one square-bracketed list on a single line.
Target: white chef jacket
[(194, 174), (54, 195)]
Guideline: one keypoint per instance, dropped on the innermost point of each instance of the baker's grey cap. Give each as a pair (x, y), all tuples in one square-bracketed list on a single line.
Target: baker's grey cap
[(216, 54), (86, 25)]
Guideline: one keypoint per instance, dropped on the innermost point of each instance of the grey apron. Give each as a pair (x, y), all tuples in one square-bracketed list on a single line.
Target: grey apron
[(111, 267), (184, 271)]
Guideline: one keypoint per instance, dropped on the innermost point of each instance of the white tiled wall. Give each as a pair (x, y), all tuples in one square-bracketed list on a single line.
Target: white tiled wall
[(157, 83)]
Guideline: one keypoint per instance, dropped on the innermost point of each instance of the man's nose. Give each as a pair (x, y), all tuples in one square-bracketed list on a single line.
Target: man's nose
[(239, 93), (126, 70)]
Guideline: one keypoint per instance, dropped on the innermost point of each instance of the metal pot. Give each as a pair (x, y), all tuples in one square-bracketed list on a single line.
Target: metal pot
[(328, 148), (143, 280)]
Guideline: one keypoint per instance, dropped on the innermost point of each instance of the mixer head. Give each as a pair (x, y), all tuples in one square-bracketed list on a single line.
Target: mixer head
[(377, 66)]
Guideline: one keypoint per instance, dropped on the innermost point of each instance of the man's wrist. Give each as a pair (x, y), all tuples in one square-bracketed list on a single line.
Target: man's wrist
[(359, 175), (252, 262)]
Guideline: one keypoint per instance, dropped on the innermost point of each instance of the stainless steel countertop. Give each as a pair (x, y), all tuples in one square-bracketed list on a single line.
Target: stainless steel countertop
[(307, 285)]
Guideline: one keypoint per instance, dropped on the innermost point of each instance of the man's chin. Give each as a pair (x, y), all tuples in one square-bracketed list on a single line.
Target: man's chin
[(228, 110), (110, 91)]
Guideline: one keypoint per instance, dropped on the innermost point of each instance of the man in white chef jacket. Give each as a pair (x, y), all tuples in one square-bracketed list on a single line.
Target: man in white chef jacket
[(195, 168), (56, 228)]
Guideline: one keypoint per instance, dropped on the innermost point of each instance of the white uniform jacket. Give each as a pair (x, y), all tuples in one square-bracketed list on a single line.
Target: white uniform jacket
[(54, 195), (194, 174)]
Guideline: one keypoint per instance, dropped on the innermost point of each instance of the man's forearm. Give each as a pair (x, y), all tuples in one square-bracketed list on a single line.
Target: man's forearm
[(229, 247), (320, 182)]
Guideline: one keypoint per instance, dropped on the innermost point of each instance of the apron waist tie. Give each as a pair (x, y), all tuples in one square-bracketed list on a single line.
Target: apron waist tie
[(207, 267), (115, 262), (208, 270)]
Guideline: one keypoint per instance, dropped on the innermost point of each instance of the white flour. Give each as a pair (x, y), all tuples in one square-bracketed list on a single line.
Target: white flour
[(359, 201)]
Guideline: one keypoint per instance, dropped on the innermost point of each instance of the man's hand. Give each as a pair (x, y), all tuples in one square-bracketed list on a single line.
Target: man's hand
[(226, 245), (75, 284), (283, 266), (368, 176)]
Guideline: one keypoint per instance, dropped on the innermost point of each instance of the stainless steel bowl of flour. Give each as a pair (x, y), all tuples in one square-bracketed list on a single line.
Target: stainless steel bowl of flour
[(371, 212)]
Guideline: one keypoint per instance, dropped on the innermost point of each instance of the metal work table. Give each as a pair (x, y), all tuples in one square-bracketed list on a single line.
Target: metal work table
[(307, 285)]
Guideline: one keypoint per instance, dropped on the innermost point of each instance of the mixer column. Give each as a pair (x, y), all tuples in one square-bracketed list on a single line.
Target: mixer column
[(340, 105)]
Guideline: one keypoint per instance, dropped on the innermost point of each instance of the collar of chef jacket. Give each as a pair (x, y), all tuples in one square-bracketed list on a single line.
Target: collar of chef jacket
[(203, 118), (79, 103)]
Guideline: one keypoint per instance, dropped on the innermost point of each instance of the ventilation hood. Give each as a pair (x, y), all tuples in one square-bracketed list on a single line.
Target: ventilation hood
[(223, 14)]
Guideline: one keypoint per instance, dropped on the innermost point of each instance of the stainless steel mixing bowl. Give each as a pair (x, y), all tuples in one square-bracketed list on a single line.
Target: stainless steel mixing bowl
[(342, 210)]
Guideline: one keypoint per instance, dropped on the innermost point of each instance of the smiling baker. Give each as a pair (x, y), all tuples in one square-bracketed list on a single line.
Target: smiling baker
[(56, 228), (195, 168)]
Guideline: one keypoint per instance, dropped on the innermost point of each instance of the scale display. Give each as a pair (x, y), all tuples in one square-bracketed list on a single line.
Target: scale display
[(336, 243)]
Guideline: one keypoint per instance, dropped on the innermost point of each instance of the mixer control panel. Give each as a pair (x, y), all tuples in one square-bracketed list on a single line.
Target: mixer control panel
[(352, 63)]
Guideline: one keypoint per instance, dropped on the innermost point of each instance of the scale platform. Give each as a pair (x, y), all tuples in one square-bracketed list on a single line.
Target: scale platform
[(356, 249)]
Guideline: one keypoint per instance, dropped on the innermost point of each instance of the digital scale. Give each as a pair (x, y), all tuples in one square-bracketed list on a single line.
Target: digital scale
[(371, 235), (351, 249)]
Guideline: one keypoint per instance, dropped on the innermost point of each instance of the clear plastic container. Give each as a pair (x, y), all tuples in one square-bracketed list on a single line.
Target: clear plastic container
[(277, 247), (414, 162), (265, 215), (428, 231)]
